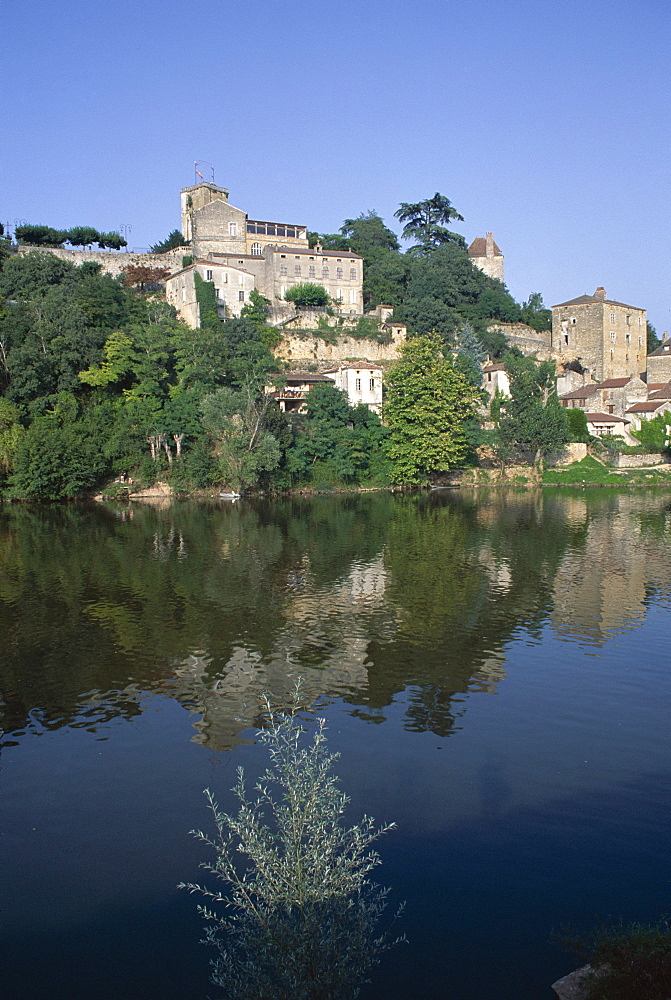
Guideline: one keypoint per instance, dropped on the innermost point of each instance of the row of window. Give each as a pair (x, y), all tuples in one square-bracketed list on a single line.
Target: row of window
[(627, 338), (209, 276), (312, 272), (273, 229), (627, 319)]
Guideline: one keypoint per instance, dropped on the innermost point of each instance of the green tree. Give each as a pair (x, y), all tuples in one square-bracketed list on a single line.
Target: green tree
[(171, 242), (428, 404), (534, 313), (653, 341), (655, 434), (577, 425), (235, 421), (111, 241), (385, 269), (82, 236), (40, 236), (301, 916), (307, 295), (423, 223), (533, 419)]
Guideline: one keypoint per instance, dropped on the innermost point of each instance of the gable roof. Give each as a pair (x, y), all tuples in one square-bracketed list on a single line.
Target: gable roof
[(614, 383), (583, 300), (605, 418), (662, 350), (648, 407), (582, 393)]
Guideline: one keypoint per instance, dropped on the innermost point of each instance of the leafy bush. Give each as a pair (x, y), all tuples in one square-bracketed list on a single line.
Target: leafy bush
[(632, 962), (307, 295), (301, 913), (577, 425)]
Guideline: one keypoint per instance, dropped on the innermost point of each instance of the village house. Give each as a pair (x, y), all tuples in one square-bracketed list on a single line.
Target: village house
[(609, 338), (608, 425), (648, 410), (495, 379), (659, 362), (232, 287), (360, 381)]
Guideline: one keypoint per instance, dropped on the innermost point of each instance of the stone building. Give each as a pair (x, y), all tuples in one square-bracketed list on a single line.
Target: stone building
[(608, 337), (232, 287), (659, 362), (613, 396), (485, 254), (276, 253)]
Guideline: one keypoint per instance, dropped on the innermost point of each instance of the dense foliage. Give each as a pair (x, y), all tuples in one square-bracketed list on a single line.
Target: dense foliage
[(99, 378)]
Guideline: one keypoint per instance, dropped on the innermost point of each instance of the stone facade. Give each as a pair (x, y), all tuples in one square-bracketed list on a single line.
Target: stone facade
[(613, 396), (485, 254), (232, 287), (659, 362), (608, 337), (533, 343), (299, 347)]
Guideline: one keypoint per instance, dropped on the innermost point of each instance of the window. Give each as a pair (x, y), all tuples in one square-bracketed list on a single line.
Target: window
[(297, 270), (612, 336), (339, 274), (372, 385), (184, 295), (612, 317), (357, 384), (311, 271), (283, 270), (352, 274), (573, 321), (628, 321), (232, 229), (216, 292), (325, 272), (338, 294), (241, 279), (241, 296), (352, 296), (640, 341), (208, 276), (291, 231), (640, 321), (627, 339), (283, 291), (256, 249)]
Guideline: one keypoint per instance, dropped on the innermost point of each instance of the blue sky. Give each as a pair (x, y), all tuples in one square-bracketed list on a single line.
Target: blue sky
[(546, 123)]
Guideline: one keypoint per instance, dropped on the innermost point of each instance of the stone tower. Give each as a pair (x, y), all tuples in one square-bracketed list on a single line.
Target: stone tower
[(485, 254)]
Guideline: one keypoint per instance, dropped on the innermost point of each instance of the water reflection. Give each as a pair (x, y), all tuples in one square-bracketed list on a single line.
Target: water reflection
[(365, 598)]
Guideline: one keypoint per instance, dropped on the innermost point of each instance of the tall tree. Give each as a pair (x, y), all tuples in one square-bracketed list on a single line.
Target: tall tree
[(533, 419), (428, 404), (423, 222)]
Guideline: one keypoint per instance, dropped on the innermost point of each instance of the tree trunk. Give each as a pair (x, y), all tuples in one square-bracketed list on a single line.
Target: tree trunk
[(178, 443)]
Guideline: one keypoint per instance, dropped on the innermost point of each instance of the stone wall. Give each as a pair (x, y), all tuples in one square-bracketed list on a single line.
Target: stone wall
[(530, 342), (298, 347), (114, 261), (637, 461), (608, 337)]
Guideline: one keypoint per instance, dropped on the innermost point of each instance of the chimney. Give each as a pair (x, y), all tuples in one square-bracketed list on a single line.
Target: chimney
[(600, 293), (490, 244)]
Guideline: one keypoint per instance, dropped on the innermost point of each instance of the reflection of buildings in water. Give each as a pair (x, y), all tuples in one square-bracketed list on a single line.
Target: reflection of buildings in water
[(601, 587), (488, 674), (498, 569), (324, 643)]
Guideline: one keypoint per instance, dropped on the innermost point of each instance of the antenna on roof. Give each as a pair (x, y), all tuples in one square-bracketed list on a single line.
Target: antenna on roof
[(197, 173)]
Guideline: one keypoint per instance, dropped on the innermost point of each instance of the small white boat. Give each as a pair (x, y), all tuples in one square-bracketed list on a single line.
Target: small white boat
[(229, 496)]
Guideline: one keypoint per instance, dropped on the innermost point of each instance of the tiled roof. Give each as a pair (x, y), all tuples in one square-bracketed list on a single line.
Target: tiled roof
[(494, 368), (648, 407), (586, 299), (312, 252), (662, 350), (355, 364), (605, 418), (478, 248), (613, 383), (664, 392), (582, 393), (301, 377)]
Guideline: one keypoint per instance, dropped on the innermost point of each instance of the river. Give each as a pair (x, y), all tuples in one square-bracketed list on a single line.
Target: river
[(493, 668)]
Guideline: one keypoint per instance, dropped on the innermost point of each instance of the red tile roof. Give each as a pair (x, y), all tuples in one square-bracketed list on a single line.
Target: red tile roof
[(605, 418), (478, 248), (582, 393), (648, 407)]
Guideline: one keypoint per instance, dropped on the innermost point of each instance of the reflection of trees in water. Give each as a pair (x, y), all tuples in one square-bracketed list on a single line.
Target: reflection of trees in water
[(366, 597)]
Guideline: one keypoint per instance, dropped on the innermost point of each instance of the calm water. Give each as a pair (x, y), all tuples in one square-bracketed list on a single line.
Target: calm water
[(494, 670)]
